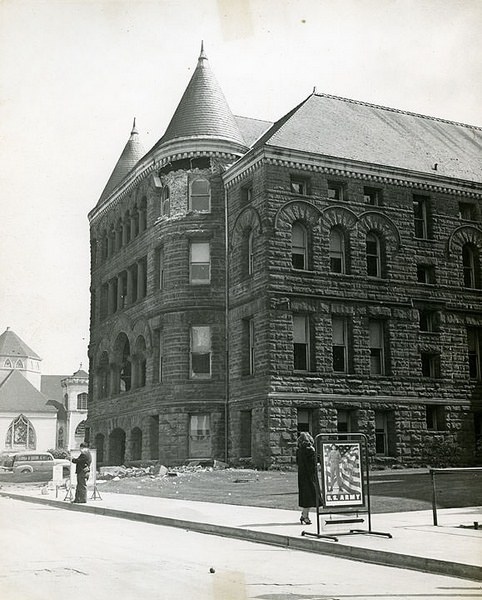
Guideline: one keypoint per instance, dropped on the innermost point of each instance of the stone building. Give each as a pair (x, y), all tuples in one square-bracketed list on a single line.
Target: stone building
[(251, 280), (38, 412)]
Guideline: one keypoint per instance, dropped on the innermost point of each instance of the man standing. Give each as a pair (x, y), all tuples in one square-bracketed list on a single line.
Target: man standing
[(82, 470)]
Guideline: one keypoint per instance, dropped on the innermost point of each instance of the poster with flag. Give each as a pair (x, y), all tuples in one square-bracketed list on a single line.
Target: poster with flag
[(342, 475)]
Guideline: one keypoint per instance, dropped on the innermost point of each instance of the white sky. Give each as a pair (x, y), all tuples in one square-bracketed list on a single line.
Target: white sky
[(73, 74)]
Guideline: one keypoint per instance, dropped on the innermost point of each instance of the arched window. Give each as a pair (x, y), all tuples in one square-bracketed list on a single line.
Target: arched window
[(134, 223), (373, 252), (19, 364), (80, 433), (200, 196), (165, 201), (136, 444), (123, 360), (82, 401), (143, 215), (8, 364), (471, 266), (103, 388), (250, 249), (119, 234), (127, 228), (140, 363), (299, 246), (105, 245), (21, 434), (60, 438), (337, 251), (99, 446)]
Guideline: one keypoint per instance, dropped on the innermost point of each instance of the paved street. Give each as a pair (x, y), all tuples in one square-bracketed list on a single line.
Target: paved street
[(54, 554)]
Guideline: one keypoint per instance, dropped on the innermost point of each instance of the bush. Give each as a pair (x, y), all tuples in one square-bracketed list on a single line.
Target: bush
[(440, 453)]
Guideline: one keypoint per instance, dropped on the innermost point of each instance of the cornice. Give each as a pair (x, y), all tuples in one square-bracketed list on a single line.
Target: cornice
[(375, 173)]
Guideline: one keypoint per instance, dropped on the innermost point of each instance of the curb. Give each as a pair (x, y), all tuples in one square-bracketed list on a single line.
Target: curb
[(378, 557)]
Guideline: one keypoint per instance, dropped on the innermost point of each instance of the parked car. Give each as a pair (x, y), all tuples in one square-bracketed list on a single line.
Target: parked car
[(29, 461)]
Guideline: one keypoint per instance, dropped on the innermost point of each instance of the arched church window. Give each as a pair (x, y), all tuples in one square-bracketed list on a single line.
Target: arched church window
[(19, 364), (8, 364), (21, 434)]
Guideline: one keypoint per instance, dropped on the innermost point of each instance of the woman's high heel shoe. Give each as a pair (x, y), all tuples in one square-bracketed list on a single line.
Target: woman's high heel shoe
[(305, 520)]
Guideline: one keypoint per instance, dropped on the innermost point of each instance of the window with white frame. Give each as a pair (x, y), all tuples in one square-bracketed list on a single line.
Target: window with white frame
[(165, 201), (250, 253), (201, 352), (430, 364), (337, 251), (471, 266), (200, 263), (336, 191), (82, 401), (299, 246), (421, 215), (200, 196), (373, 254), (474, 345), (301, 342), (377, 353), (199, 436), (340, 344)]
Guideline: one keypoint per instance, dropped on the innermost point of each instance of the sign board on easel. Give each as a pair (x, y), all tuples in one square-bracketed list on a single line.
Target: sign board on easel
[(342, 474)]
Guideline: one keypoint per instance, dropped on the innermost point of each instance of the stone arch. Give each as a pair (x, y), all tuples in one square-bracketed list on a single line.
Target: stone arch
[(136, 444), (377, 222), (297, 210), (339, 216), (465, 234), (139, 362), (117, 446), (247, 219), (80, 433), (99, 442)]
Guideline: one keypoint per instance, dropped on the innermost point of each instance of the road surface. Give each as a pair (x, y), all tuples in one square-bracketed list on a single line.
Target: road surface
[(48, 553)]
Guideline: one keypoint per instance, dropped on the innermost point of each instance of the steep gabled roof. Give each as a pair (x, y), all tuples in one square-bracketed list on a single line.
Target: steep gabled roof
[(18, 395), (12, 345), (203, 111), (353, 130), (252, 129), (132, 153)]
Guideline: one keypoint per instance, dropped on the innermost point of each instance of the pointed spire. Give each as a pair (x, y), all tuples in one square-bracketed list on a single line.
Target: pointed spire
[(132, 153), (203, 112)]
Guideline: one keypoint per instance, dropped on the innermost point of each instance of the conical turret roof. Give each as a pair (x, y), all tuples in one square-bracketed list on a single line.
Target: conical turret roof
[(203, 111), (12, 346), (132, 153)]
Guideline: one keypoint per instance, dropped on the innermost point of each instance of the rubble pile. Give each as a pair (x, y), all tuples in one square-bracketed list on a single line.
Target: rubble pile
[(158, 471)]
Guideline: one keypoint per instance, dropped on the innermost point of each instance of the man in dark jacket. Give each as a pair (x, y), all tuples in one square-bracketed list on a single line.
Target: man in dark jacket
[(82, 470)]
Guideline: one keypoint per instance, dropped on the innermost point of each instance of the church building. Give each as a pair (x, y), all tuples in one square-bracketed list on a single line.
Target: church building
[(38, 412), (254, 279)]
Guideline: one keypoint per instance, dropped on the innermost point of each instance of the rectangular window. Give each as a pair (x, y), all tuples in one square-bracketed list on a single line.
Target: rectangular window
[(372, 196), (344, 420), (304, 419), (299, 185), (199, 436), (245, 434), (122, 289), (467, 211), (426, 274), (200, 263), (82, 401), (430, 364), (300, 342), (428, 320), (340, 344), (435, 417), (161, 358), (201, 352), (336, 191), (248, 342), (246, 194), (381, 433), (421, 215), (200, 196), (474, 340), (377, 354), (251, 345)]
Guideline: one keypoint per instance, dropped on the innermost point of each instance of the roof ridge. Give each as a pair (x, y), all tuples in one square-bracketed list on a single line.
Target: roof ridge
[(399, 110), (253, 118)]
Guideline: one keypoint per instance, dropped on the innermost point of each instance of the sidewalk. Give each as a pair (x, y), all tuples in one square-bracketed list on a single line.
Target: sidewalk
[(415, 544)]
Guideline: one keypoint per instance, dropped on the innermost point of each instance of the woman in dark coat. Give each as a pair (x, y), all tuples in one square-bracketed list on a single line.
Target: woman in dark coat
[(308, 486)]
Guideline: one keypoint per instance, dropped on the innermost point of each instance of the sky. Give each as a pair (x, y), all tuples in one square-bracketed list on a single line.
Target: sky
[(74, 74)]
